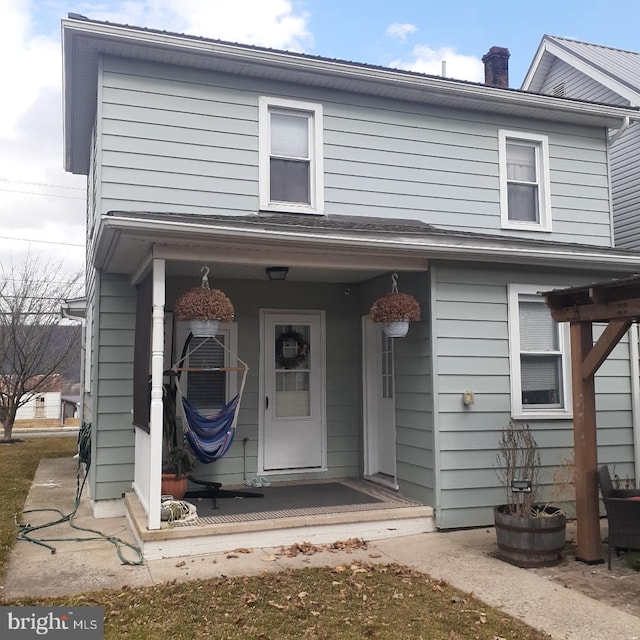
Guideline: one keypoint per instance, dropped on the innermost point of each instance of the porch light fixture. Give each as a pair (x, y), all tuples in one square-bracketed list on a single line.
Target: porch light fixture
[(277, 273)]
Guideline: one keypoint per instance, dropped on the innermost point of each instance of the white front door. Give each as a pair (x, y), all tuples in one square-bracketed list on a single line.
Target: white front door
[(379, 405), (293, 433)]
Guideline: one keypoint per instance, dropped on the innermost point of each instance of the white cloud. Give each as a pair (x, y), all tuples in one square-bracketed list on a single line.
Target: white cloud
[(268, 23), (400, 31), (38, 200), (428, 60)]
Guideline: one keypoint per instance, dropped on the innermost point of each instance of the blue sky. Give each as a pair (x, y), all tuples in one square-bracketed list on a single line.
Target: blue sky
[(40, 202)]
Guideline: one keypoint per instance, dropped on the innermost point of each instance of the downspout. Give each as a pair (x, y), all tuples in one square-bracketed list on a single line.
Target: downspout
[(634, 349), (435, 398), (69, 315), (634, 354), (611, 140)]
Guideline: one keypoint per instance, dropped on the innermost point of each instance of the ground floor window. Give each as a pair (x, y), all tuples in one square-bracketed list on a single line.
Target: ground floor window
[(538, 356)]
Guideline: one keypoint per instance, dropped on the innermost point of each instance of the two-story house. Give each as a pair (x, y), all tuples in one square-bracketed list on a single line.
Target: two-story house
[(572, 69), (201, 152)]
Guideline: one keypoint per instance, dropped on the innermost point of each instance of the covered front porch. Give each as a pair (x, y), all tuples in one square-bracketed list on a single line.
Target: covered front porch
[(286, 513), (351, 387)]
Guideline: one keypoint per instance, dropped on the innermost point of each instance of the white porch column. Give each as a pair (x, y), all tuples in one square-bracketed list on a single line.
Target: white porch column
[(157, 367)]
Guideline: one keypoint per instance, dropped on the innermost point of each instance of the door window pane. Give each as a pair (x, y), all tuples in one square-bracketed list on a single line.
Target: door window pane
[(292, 370), (387, 366)]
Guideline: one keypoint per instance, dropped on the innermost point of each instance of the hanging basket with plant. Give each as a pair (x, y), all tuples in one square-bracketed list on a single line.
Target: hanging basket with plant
[(395, 310), (204, 308)]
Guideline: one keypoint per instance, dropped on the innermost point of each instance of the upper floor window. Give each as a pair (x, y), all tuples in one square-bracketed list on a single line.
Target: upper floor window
[(525, 201), (291, 167), (539, 357)]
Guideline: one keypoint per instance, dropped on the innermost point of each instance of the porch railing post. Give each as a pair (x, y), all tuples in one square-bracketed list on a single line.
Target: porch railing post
[(157, 367)]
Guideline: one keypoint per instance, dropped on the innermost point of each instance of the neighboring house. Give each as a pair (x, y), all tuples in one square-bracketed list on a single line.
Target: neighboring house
[(572, 69), (204, 152), (46, 405)]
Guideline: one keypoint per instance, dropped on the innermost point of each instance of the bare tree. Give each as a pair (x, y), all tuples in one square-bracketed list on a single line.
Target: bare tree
[(36, 348)]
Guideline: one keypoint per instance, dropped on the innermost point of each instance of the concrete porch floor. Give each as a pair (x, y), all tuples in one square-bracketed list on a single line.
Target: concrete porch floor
[(389, 516)]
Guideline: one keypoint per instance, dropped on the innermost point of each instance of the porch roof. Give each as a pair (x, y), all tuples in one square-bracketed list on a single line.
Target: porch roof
[(127, 239)]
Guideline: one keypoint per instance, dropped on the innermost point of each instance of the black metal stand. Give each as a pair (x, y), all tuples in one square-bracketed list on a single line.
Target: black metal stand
[(214, 491)]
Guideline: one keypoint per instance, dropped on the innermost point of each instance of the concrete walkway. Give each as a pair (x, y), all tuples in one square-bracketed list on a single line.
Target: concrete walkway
[(545, 599)]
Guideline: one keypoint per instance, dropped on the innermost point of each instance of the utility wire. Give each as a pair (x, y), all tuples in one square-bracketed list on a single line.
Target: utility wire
[(37, 193), (41, 184), (65, 244)]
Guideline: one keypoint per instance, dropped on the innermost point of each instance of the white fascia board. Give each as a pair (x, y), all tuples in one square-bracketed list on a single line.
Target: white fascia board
[(344, 70), (445, 246), (533, 67), (553, 48)]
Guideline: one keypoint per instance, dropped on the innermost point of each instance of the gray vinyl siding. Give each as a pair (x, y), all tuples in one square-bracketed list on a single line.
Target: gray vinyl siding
[(578, 85), (414, 414), (624, 154), (343, 373), (113, 388), (625, 187), (470, 325), (187, 142), (412, 388)]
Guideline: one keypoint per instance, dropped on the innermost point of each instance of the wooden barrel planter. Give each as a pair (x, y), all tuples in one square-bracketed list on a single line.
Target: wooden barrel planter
[(530, 541)]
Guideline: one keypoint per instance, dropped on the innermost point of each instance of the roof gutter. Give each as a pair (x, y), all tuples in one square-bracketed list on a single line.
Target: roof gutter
[(429, 246), (341, 69)]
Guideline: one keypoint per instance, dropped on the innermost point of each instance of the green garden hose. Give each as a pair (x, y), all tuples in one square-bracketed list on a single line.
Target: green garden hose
[(84, 458)]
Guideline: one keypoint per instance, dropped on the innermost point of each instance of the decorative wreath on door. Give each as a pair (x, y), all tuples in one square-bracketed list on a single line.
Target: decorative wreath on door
[(291, 362)]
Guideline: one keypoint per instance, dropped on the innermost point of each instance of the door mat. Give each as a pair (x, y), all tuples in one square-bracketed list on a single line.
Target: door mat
[(291, 500)]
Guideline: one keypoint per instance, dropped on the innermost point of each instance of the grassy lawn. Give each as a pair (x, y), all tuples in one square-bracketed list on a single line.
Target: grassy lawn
[(354, 601), (18, 464)]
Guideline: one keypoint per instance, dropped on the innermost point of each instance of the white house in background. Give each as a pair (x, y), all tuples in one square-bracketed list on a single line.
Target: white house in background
[(199, 151), (572, 69), (47, 405)]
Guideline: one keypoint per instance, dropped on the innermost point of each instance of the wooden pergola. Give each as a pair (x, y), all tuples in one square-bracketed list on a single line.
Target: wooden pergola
[(616, 303)]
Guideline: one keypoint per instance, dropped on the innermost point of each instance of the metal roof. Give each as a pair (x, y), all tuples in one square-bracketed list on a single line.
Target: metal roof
[(619, 66), (84, 41)]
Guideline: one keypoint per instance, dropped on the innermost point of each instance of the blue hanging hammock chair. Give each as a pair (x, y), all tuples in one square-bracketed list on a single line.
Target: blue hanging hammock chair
[(209, 437)]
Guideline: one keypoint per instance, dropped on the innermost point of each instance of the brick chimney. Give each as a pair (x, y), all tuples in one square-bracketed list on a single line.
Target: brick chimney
[(496, 67)]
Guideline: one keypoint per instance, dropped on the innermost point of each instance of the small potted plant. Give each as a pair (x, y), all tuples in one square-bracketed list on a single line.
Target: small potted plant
[(177, 460), (395, 310), (204, 308), (175, 469), (528, 533)]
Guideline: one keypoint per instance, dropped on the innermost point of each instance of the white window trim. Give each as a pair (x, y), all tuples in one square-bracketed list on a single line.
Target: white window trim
[(543, 175), (518, 410), (316, 170)]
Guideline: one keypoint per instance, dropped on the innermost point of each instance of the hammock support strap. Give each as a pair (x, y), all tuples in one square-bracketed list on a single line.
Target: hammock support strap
[(209, 437)]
